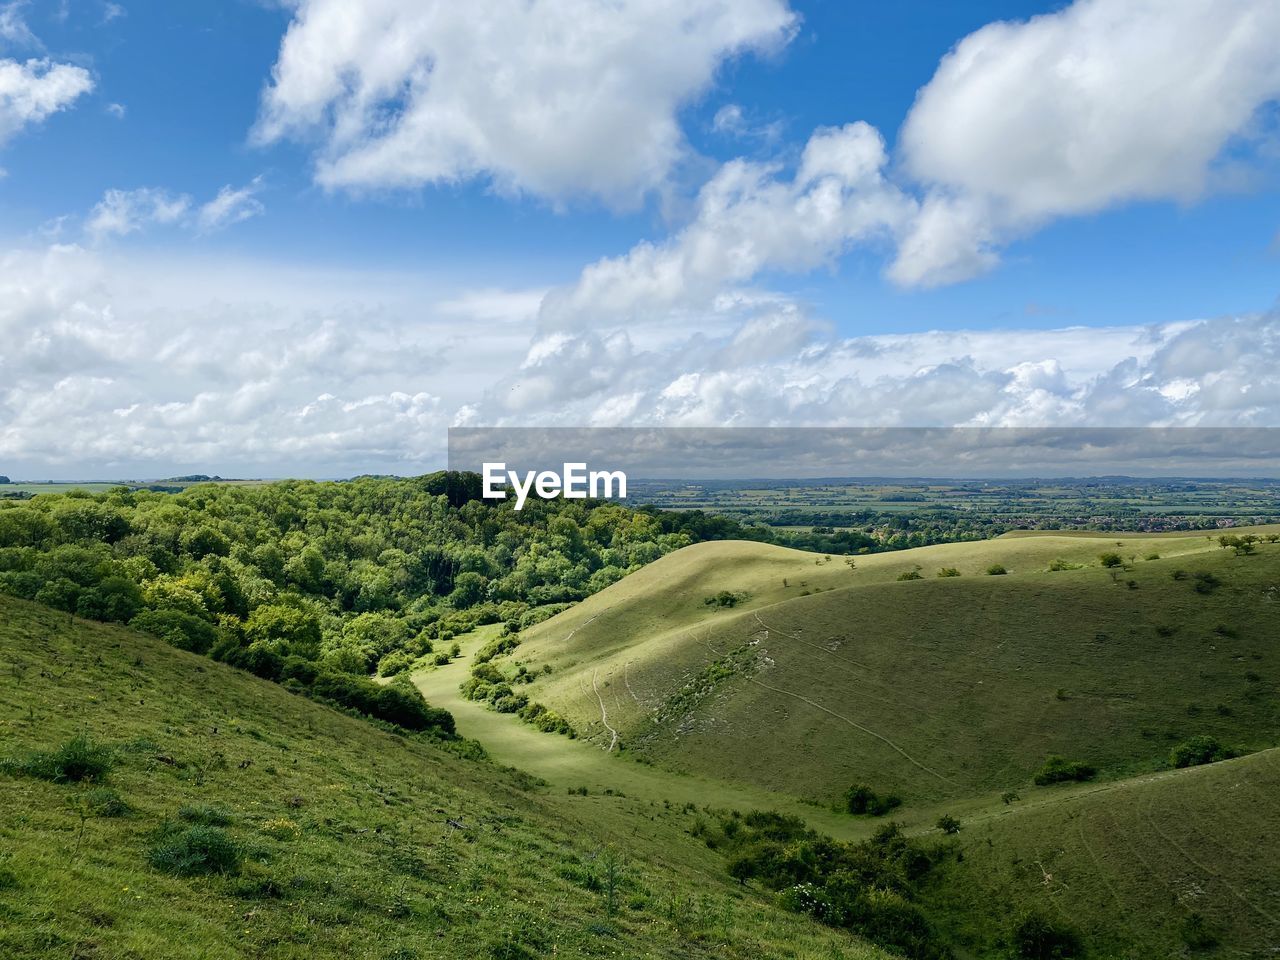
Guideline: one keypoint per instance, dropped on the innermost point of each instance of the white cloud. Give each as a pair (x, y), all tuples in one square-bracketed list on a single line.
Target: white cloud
[(117, 110), (558, 98), (231, 205), (120, 366), (13, 28), (31, 92), (135, 365), (728, 119), (748, 219), (1203, 373), (121, 212), (1102, 103)]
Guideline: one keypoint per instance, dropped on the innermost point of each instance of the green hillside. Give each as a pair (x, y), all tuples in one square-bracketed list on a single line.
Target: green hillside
[(936, 689), (325, 835), (1159, 866)]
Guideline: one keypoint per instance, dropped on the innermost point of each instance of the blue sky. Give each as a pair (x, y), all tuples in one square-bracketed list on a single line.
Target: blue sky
[(199, 174)]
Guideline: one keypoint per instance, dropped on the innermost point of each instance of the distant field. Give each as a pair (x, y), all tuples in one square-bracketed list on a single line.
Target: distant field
[(850, 500), (103, 486)]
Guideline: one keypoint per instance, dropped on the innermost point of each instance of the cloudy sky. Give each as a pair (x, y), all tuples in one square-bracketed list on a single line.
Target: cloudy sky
[(262, 237)]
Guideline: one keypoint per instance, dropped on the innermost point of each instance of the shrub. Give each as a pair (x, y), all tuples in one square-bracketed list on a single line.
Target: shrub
[(398, 702), (183, 630), (1111, 560), (1206, 582), (1060, 564), (910, 575), (948, 572), (1198, 933), (281, 828), (1200, 750), (106, 803), (195, 851), (996, 570), (1037, 937), (114, 600), (726, 598), (861, 800), (948, 824), (1009, 797), (395, 663), (77, 760), (1060, 770), (205, 815)]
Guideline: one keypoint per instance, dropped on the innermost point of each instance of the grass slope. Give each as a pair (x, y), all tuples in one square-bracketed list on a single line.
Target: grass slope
[(346, 848), (1149, 867), (940, 689)]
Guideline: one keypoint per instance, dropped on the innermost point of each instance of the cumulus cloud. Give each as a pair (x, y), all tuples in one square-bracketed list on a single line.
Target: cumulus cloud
[(32, 91), (749, 218), (133, 366), (138, 366), (1101, 103), (1204, 373), (557, 98)]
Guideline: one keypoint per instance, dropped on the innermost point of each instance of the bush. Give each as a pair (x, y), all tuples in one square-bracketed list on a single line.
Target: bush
[(726, 598), (397, 702), (861, 800), (195, 851), (1206, 582), (910, 575), (1200, 750), (396, 663), (948, 824), (106, 803), (205, 815), (1037, 937), (77, 760), (1198, 933), (996, 570), (183, 630), (948, 572), (1060, 770), (1111, 560)]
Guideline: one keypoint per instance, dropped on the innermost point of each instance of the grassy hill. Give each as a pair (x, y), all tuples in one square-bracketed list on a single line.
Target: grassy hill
[(1163, 865), (935, 689), (325, 835)]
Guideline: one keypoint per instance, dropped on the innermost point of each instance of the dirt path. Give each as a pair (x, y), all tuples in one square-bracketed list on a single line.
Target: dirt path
[(604, 714)]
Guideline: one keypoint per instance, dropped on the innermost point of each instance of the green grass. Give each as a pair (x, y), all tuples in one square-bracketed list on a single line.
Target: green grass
[(1131, 864), (245, 821), (937, 689)]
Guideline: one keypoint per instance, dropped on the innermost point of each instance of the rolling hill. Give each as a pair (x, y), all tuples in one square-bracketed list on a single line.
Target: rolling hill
[(936, 689), (803, 676), (233, 818), (1162, 865)]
